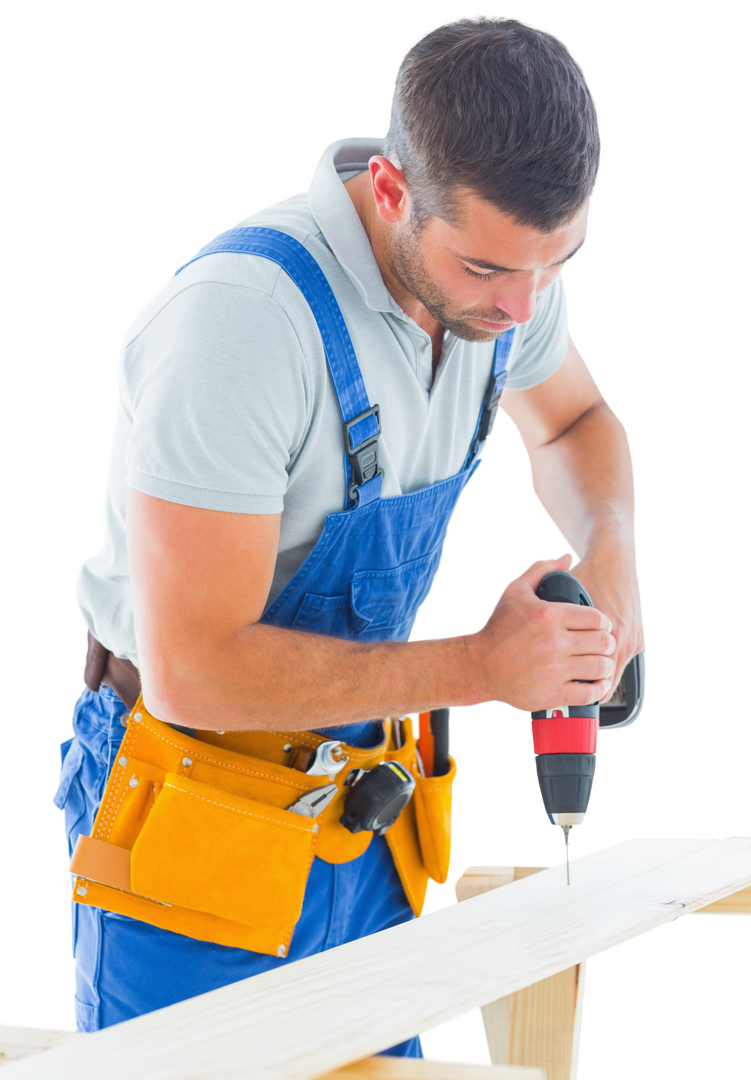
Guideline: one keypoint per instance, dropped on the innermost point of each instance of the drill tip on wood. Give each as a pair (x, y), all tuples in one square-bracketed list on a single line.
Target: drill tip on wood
[(566, 831)]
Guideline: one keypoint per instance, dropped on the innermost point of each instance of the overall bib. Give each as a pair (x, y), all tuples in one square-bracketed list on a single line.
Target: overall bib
[(364, 580)]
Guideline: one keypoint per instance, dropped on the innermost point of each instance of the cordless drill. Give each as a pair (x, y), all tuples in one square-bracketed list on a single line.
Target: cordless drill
[(565, 738)]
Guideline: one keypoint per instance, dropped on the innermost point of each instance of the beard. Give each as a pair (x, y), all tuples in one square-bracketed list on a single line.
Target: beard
[(405, 262)]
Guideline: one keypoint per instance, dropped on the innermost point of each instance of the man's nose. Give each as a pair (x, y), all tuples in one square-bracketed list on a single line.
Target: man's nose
[(518, 298)]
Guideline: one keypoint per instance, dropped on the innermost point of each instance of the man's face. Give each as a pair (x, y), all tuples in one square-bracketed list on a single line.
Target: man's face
[(483, 274)]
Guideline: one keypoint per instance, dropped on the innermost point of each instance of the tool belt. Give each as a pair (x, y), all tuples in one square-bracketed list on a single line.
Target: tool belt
[(193, 834)]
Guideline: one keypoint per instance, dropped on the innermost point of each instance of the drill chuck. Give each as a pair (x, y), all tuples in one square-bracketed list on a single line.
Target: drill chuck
[(565, 756)]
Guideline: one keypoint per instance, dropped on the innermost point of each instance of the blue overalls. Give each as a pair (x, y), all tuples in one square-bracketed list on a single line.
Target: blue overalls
[(365, 579)]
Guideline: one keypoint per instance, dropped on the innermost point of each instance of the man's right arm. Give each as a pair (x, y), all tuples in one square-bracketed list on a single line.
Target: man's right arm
[(201, 580)]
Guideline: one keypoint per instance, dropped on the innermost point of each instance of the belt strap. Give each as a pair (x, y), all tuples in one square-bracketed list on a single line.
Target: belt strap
[(104, 669)]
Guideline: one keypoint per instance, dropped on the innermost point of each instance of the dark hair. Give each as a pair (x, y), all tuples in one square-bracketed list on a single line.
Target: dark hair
[(501, 109)]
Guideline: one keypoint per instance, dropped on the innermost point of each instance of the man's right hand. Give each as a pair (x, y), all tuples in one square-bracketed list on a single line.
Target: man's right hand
[(538, 655)]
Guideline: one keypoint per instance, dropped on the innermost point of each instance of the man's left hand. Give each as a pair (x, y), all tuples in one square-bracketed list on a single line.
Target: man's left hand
[(609, 576)]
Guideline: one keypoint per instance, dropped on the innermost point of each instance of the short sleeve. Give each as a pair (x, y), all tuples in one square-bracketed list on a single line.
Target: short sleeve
[(541, 343), (216, 384)]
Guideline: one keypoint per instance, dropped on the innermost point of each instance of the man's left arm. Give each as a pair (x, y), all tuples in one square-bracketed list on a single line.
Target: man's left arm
[(581, 467)]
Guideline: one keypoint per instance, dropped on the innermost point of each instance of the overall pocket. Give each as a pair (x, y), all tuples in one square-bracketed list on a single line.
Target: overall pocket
[(69, 795), (384, 599), (208, 850), (433, 811), (380, 602)]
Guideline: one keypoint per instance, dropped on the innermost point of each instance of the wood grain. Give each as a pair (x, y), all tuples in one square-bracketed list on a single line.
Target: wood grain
[(738, 903), (18, 1042), (537, 1026), (321, 1013), (392, 1068), (17, 1038)]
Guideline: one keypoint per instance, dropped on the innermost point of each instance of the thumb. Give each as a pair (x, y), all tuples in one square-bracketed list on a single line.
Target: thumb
[(526, 584)]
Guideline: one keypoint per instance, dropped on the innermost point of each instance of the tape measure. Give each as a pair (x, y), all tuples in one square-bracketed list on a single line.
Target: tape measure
[(377, 797)]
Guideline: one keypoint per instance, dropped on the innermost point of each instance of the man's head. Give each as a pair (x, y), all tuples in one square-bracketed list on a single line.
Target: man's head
[(494, 107), (489, 162), (475, 277)]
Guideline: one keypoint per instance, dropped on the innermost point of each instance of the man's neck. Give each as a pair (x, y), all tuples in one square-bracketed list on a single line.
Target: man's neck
[(360, 192)]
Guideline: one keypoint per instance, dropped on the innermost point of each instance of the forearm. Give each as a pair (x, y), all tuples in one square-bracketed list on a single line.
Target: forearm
[(584, 480), (284, 680)]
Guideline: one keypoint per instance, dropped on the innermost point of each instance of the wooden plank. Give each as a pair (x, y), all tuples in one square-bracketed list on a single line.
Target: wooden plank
[(581, 978), (540, 1025), (392, 1068), (318, 1014), (544, 1019), (738, 903), (480, 877), (17, 1039)]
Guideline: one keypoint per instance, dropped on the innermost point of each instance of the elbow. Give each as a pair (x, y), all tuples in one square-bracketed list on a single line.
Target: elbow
[(166, 704), (207, 685), (178, 688)]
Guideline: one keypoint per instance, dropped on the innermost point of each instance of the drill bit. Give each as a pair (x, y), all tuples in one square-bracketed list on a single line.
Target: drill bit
[(566, 831)]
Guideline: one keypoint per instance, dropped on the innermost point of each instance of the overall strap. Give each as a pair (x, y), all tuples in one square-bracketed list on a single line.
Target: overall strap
[(362, 422), (490, 402)]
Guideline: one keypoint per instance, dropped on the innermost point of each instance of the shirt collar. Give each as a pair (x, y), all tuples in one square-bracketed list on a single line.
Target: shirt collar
[(338, 220)]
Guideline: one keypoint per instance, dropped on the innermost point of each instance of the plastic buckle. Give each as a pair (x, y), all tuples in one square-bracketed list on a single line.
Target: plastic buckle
[(490, 409), (364, 458)]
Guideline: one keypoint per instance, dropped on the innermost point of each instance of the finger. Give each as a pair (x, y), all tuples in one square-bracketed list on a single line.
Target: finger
[(528, 579), (577, 693), (535, 570), (621, 660), (592, 642), (615, 680), (579, 617), (591, 668), (547, 563)]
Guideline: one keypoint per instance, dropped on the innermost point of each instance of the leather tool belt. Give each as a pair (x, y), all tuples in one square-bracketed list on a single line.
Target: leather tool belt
[(193, 834)]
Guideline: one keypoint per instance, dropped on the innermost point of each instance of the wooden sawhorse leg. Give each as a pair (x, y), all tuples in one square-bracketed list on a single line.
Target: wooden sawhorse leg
[(540, 1025)]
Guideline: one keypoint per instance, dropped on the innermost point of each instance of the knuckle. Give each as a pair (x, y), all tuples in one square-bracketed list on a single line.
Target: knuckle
[(585, 694), (602, 668)]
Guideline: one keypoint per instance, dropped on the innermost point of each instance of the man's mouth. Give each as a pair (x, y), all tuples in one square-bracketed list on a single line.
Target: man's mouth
[(499, 327)]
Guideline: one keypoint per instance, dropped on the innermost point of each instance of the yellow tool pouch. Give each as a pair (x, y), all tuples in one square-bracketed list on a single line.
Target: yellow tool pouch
[(432, 801), (193, 834)]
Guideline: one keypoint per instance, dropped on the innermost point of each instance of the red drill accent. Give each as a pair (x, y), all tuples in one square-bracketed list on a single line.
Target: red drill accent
[(559, 734)]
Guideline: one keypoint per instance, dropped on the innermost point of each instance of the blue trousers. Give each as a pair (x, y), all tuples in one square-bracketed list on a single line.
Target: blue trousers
[(125, 967)]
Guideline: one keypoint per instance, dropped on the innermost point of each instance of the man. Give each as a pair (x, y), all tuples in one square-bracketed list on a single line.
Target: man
[(259, 584)]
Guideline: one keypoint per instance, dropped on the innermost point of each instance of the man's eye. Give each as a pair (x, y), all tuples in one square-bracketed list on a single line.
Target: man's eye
[(481, 277)]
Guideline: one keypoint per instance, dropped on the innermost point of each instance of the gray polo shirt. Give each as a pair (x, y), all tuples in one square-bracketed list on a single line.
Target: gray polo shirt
[(226, 401)]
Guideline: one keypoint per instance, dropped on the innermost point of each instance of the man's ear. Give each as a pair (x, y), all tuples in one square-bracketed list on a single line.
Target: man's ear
[(389, 189)]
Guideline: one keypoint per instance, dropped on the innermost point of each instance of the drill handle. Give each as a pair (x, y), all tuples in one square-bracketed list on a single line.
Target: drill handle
[(560, 587)]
